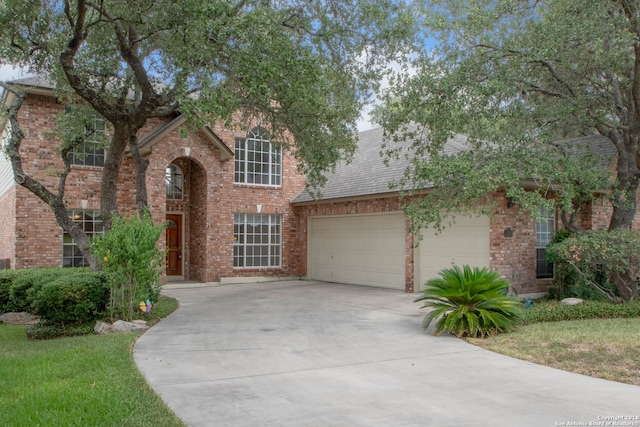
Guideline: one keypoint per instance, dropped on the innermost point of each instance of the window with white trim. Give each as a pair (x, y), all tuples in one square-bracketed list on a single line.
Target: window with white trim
[(91, 151), (545, 232), (175, 182), (257, 240), (257, 160), (91, 223)]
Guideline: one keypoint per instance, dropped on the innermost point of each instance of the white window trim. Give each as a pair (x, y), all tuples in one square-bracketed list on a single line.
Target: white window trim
[(547, 217), (72, 213), (240, 240), (242, 163)]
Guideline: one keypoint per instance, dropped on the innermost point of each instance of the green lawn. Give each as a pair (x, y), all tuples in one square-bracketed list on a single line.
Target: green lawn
[(604, 348), (79, 381)]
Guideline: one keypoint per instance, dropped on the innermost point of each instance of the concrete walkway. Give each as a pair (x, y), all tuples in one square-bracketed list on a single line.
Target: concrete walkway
[(320, 354)]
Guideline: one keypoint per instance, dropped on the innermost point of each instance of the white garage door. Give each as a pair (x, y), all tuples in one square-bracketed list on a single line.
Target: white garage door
[(466, 242), (358, 249)]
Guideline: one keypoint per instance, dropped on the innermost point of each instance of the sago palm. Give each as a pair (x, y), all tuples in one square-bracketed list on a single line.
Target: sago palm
[(470, 302)]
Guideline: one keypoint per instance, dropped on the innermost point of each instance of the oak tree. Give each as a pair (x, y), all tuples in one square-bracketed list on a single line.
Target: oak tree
[(515, 77), (303, 67)]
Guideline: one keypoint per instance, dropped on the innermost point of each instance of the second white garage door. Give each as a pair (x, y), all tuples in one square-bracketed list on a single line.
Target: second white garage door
[(358, 249), (466, 242)]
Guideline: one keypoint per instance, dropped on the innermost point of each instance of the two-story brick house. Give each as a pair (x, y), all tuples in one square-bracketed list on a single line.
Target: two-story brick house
[(237, 210), (224, 193)]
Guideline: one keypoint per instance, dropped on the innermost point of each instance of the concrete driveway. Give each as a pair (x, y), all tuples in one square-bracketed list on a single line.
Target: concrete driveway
[(321, 354)]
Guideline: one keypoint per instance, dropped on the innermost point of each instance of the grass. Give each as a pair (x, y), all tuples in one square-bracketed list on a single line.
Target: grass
[(603, 348), (77, 381)]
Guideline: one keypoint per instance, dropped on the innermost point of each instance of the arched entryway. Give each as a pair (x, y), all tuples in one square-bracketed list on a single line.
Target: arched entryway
[(186, 215)]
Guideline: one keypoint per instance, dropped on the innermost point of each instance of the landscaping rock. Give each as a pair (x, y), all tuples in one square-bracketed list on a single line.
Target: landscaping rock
[(21, 318), (120, 326), (572, 301), (102, 327)]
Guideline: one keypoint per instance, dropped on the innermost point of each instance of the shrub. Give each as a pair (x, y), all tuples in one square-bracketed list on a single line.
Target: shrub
[(45, 331), (27, 283), (6, 281), (131, 261), (70, 299), (470, 302), (607, 261), (554, 311)]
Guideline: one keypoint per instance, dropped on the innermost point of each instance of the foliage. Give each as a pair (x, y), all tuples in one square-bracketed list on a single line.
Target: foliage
[(609, 261), (302, 68), (70, 299), (470, 302), (27, 283), (6, 281), (131, 263), (45, 331), (515, 77), (567, 282), (81, 381), (554, 311)]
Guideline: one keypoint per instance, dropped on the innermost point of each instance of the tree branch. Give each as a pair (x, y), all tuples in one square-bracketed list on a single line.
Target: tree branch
[(67, 58)]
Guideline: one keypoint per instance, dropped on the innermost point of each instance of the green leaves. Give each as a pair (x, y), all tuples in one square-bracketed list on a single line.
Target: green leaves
[(131, 262), (604, 260), (470, 302), (514, 77)]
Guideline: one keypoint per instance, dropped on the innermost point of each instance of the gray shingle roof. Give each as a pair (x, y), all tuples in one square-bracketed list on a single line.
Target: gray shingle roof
[(36, 81), (367, 174), (599, 146)]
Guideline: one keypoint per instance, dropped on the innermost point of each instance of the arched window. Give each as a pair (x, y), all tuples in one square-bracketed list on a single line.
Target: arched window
[(257, 160), (175, 182)]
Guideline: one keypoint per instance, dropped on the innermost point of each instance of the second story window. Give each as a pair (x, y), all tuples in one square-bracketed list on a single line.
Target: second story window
[(257, 160), (91, 151)]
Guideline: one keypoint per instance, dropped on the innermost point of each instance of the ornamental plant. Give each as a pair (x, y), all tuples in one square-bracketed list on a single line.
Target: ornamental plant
[(606, 260), (131, 261), (470, 302)]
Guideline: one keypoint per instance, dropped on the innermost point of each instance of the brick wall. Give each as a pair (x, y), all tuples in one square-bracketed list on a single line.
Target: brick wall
[(211, 197), (38, 239), (512, 253)]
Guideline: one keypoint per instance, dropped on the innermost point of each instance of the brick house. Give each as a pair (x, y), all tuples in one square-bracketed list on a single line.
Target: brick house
[(237, 210), (357, 231), (224, 193)]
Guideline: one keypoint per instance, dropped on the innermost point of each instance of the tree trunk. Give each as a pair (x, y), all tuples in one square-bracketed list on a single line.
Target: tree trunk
[(142, 164), (626, 285), (110, 172), (625, 190), (624, 202)]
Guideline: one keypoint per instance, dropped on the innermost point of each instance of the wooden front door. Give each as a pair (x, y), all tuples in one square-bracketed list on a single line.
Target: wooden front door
[(174, 244)]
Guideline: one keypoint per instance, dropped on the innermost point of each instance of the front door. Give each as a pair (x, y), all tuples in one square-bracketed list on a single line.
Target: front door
[(174, 245)]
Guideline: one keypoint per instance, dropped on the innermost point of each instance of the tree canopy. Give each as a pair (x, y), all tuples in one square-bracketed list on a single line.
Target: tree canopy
[(303, 68), (515, 77)]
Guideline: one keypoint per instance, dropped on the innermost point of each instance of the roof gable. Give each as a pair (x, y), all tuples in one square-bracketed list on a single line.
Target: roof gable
[(160, 132)]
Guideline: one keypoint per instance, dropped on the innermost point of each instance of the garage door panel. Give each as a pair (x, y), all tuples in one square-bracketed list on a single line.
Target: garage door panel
[(466, 242), (358, 249)]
